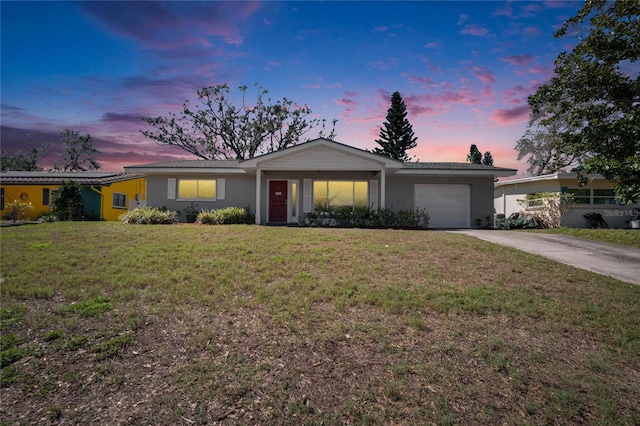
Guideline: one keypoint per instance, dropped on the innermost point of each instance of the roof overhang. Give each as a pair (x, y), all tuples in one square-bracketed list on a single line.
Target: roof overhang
[(454, 172), (186, 170), (549, 177)]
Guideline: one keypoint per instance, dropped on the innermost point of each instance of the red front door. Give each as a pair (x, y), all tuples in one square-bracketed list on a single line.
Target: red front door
[(278, 201)]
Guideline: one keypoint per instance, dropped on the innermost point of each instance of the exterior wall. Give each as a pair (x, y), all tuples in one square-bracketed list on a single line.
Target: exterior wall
[(616, 216), (239, 192), (34, 195), (400, 193), (506, 197), (131, 188)]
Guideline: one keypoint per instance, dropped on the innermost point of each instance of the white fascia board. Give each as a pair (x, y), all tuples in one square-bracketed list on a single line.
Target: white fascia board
[(186, 170), (552, 176), (469, 173)]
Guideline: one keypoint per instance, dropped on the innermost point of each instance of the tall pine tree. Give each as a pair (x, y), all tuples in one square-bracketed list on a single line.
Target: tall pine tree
[(475, 156), (487, 160), (396, 134)]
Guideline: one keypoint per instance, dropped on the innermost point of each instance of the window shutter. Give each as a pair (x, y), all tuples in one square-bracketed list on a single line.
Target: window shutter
[(171, 188), (373, 194), (220, 194), (45, 196), (307, 199)]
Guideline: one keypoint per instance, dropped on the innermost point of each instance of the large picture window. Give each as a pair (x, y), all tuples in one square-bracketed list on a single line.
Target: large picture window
[(197, 189), (329, 194)]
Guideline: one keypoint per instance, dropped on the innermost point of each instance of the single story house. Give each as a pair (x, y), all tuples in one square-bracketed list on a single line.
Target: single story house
[(106, 195), (595, 197), (282, 186)]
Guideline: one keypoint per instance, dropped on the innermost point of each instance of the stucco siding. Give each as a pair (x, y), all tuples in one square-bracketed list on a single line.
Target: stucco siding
[(34, 195), (400, 193), (239, 192)]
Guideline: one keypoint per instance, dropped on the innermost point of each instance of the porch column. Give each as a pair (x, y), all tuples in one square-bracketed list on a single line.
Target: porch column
[(258, 181), (383, 188)]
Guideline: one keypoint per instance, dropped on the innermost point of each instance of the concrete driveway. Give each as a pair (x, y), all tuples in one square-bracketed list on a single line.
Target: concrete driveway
[(616, 261)]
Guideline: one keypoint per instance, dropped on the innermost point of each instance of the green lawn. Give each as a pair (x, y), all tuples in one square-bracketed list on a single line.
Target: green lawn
[(627, 237), (184, 324)]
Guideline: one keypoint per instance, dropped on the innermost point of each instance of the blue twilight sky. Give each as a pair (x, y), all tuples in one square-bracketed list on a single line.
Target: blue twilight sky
[(464, 69)]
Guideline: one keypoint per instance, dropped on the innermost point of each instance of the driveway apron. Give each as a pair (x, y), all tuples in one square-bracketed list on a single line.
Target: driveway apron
[(620, 262)]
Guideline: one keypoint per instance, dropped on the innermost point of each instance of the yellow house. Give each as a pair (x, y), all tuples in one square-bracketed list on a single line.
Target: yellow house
[(106, 195)]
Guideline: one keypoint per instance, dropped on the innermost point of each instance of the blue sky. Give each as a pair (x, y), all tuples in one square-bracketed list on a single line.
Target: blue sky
[(464, 69)]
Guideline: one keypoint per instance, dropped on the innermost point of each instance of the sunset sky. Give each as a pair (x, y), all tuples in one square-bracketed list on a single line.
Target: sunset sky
[(464, 69)]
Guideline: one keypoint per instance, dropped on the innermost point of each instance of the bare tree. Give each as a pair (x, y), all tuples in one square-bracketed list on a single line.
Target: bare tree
[(218, 129)]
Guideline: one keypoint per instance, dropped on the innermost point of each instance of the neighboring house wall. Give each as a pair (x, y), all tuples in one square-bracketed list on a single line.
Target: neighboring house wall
[(508, 193), (129, 194), (99, 202), (38, 196)]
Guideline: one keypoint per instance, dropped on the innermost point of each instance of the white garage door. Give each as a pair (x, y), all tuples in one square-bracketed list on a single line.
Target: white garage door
[(448, 205)]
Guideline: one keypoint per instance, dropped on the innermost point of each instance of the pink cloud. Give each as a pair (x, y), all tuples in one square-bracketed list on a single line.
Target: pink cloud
[(516, 95), (426, 80), (150, 22), (532, 31), (350, 93), (345, 102), (504, 11), (539, 70), (517, 59), (484, 74), (507, 116), (475, 30)]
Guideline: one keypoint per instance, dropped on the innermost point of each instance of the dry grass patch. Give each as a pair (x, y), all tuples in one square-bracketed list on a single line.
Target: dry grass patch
[(257, 325)]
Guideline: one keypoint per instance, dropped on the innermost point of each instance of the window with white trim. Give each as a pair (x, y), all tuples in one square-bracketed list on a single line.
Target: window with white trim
[(119, 201), (534, 200), (330, 194), (197, 189)]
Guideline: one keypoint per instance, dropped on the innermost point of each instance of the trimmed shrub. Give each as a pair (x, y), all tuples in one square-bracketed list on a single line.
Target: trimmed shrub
[(364, 217), (149, 216), (226, 216)]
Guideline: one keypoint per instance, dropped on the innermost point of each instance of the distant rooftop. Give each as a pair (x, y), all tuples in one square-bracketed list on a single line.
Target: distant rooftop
[(452, 166), (55, 177)]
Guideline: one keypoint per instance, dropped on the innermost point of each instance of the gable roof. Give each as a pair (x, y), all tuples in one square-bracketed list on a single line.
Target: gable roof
[(329, 155), (55, 178), (338, 147)]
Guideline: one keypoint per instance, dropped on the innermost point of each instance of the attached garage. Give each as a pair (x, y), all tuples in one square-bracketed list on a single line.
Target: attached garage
[(448, 205)]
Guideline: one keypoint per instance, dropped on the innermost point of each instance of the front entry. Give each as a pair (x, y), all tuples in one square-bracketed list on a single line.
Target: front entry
[(278, 201)]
